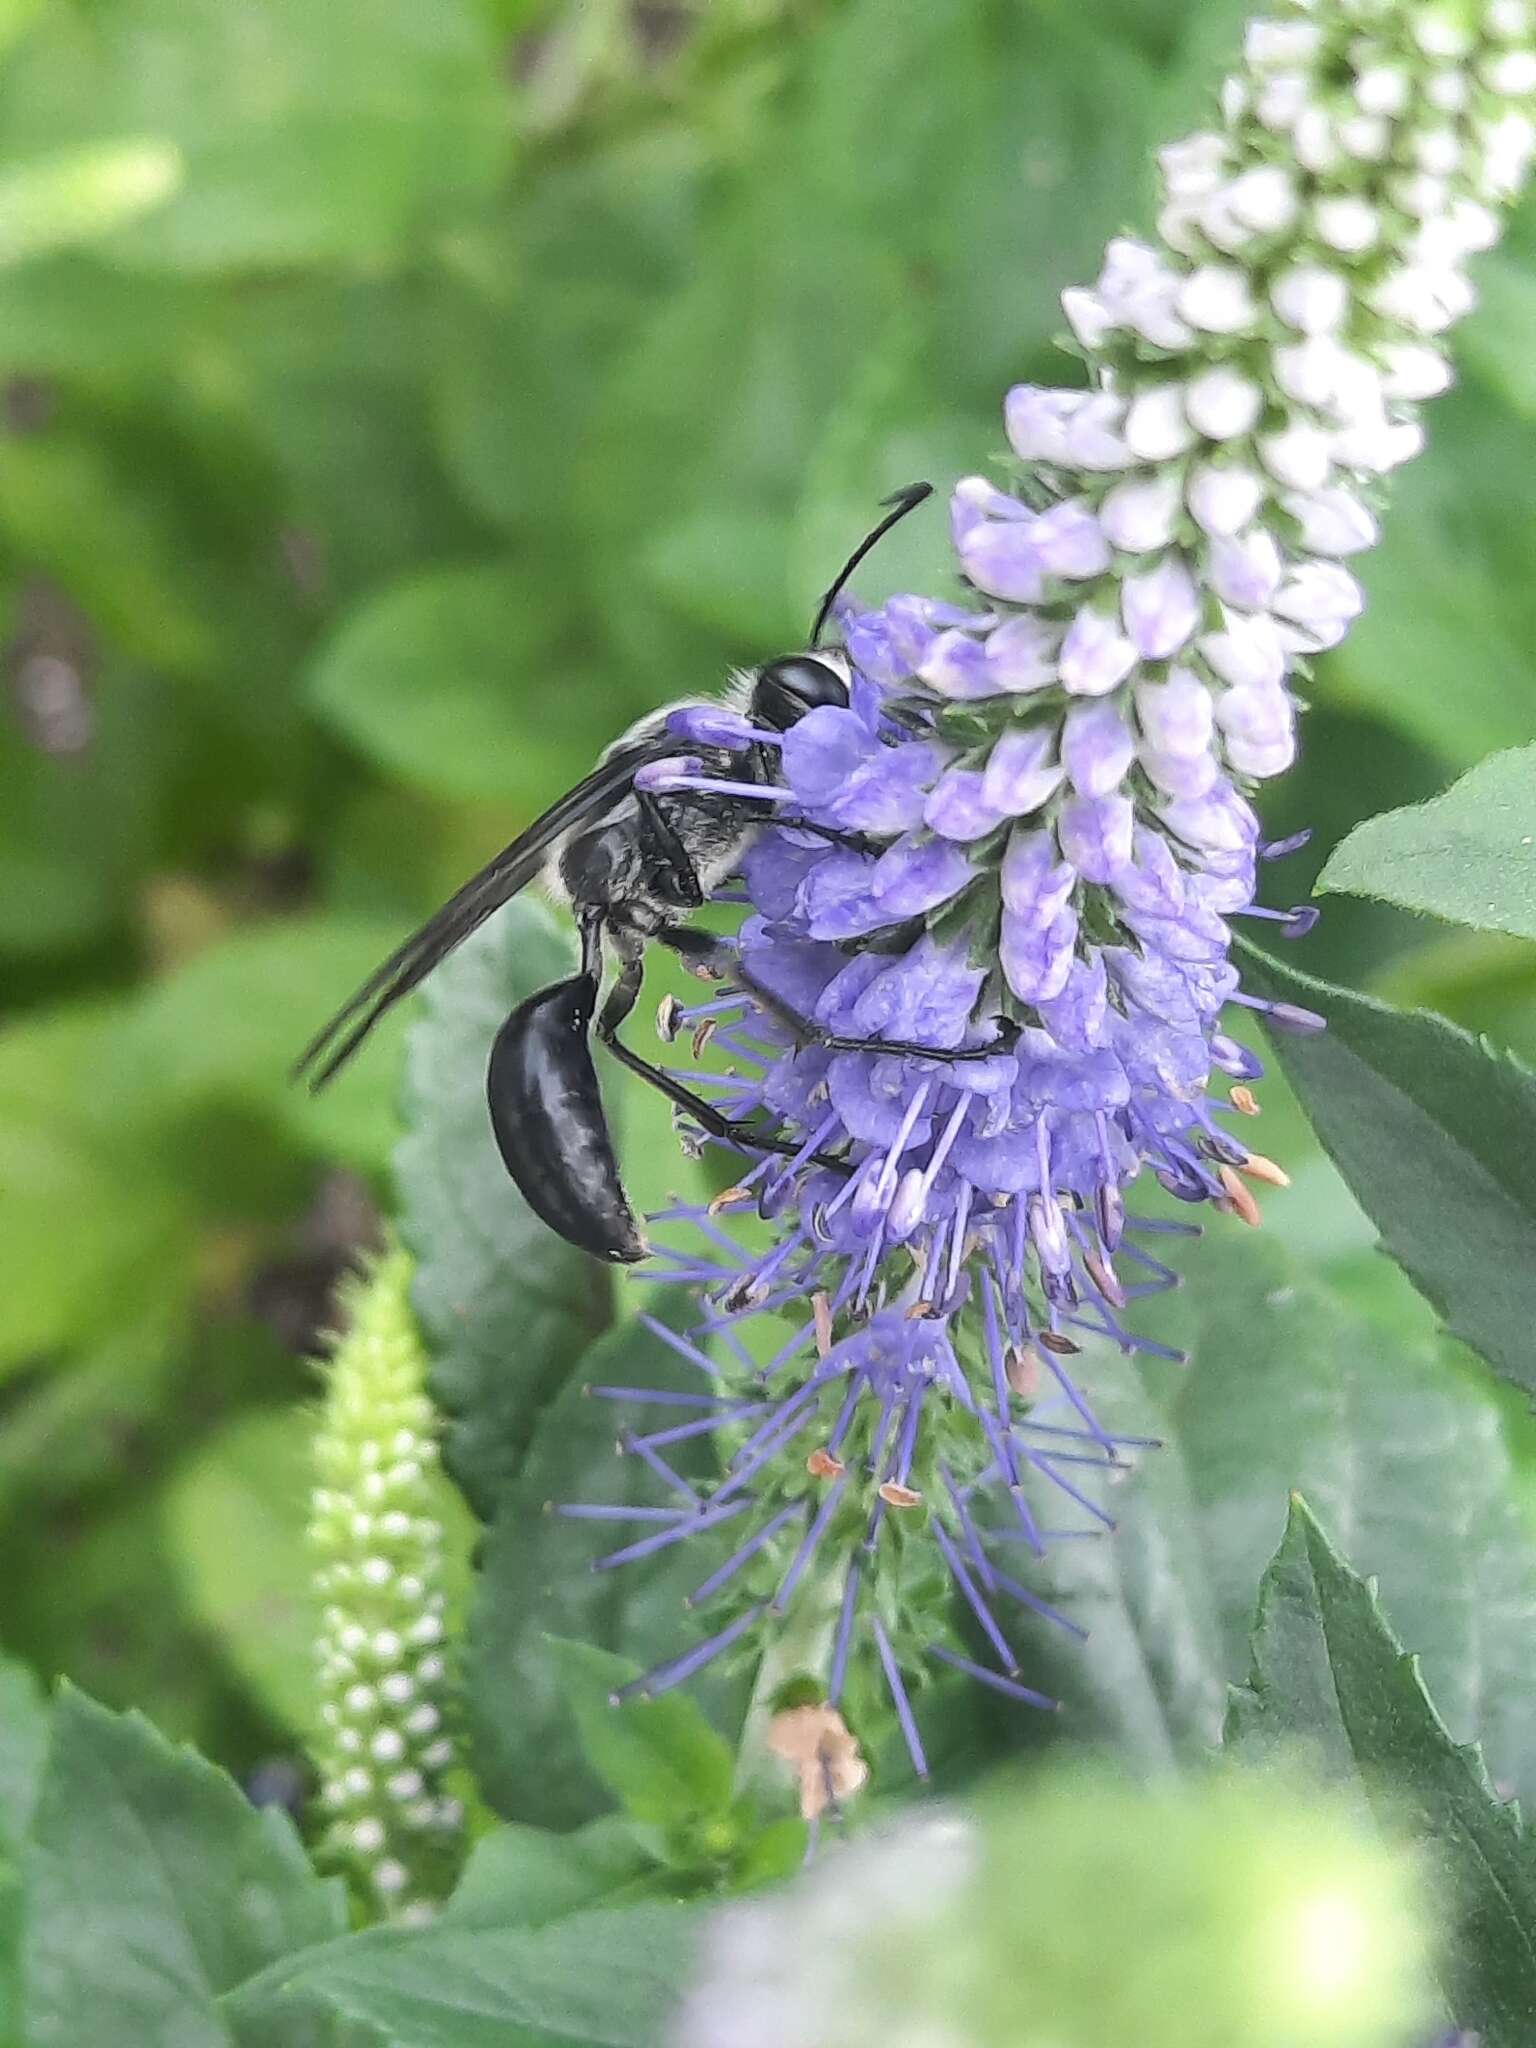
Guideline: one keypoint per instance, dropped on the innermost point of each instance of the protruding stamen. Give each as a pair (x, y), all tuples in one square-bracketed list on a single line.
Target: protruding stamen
[(1240, 1197)]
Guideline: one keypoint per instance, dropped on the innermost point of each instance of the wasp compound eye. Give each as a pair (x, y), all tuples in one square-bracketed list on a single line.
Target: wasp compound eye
[(548, 1118), (786, 690)]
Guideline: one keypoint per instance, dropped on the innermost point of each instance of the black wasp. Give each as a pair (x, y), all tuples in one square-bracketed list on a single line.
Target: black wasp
[(632, 864)]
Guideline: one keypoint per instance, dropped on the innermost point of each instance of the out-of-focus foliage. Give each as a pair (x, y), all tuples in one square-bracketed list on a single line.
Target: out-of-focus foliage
[(395, 400)]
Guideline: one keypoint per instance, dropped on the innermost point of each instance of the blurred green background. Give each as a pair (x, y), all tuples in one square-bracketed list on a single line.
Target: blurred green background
[(396, 398)]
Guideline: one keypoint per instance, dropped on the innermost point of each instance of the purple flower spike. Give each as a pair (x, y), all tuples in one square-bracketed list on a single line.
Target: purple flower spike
[(984, 977)]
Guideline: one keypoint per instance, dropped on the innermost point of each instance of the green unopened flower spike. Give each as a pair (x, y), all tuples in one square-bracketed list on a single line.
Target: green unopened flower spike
[(382, 1747)]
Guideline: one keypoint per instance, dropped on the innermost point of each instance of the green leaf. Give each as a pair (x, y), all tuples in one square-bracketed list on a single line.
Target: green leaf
[(661, 1757), (1419, 625), (603, 1979), (234, 1520), (75, 1172), (227, 1027), (23, 1745), (1285, 1389), (328, 372), (933, 134), (432, 680), (525, 1877), (307, 134), (506, 1307), (76, 195), (1468, 856), (153, 1888), (1493, 343), (1435, 1132), (536, 1580), (1330, 1676), (538, 305)]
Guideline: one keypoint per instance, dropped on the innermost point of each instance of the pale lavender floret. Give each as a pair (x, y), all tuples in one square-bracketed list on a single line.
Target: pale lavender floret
[(1096, 656), (1022, 771), (958, 808), (1096, 748), (1161, 608), (1095, 835)]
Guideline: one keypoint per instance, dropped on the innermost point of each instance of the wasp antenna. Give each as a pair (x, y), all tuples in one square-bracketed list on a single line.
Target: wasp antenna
[(901, 502)]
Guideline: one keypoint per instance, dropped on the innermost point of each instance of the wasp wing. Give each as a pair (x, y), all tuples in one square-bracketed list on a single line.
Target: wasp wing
[(464, 912)]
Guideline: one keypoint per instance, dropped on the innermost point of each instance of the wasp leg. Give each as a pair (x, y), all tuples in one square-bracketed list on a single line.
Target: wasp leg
[(666, 851), (706, 954), (857, 842), (731, 1130), (715, 956), (807, 1032)]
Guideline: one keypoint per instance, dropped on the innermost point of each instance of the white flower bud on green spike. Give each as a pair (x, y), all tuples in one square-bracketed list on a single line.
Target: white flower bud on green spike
[(380, 1689)]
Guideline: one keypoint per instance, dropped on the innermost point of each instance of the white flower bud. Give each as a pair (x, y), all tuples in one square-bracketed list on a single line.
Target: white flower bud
[(1414, 371), (1365, 137), (1233, 99), (1263, 198), (1376, 446), (1261, 758), (1382, 89), (1194, 167), (1332, 521), (1224, 497), (1439, 36), (1424, 301), (1216, 299), (1176, 227), (1156, 428), (1314, 141), (1140, 516), (1220, 226), (1509, 20), (1246, 570), (1138, 289), (1475, 227), (1321, 601), (368, 1835), (1420, 194), (1511, 73), (1438, 151), (1348, 224), (390, 1877), (1308, 371), (1087, 315), (1246, 651), (1258, 727), (1269, 44), (1311, 299), (1298, 456), (1507, 145), (1448, 92), (1281, 99), (1221, 403)]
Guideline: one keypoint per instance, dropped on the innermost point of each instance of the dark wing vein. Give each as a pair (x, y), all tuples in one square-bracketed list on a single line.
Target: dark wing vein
[(465, 911)]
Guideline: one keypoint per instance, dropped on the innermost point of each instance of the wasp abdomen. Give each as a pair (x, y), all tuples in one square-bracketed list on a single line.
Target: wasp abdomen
[(548, 1118)]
